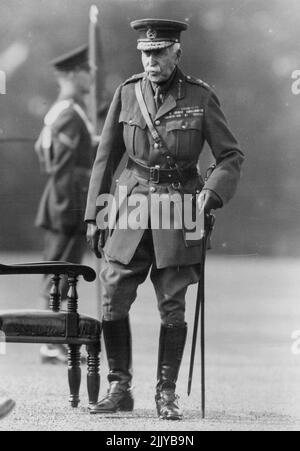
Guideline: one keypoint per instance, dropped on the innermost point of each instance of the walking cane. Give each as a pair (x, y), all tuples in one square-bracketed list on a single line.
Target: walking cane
[(200, 311)]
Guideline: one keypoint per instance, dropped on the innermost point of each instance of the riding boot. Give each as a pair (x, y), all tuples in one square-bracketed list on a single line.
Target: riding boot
[(171, 347), (117, 336)]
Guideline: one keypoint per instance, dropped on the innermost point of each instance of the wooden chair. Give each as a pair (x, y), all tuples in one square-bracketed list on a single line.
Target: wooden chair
[(55, 326)]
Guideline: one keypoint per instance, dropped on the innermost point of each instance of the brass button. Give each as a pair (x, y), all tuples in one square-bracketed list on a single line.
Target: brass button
[(152, 189), (157, 122), (184, 126), (131, 121), (156, 146)]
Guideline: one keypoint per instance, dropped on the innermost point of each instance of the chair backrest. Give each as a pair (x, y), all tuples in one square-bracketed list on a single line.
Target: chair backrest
[(55, 269), (50, 268)]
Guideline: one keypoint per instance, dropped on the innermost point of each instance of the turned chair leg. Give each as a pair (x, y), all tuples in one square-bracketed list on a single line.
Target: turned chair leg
[(74, 372), (93, 377)]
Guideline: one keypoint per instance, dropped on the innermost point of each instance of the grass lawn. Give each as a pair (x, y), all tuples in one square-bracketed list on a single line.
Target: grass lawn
[(253, 378)]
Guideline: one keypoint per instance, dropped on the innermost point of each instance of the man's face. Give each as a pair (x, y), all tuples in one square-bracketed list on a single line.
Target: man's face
[(160, 64), (82, 80)]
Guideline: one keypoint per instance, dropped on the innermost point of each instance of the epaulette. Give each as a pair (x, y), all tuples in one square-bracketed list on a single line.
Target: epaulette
[(134, 78), (197, 81)]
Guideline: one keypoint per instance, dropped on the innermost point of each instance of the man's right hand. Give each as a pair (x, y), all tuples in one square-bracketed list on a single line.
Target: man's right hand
[(93, 236)]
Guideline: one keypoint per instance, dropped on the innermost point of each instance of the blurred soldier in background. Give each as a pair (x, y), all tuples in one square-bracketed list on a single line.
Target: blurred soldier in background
[(162, 119), (6, 406), (66, 155)]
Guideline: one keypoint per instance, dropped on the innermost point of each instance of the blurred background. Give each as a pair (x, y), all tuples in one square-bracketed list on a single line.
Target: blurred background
[(246, 49)]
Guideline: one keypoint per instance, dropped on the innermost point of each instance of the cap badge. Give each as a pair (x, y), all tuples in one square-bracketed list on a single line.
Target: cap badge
[(151, 34)]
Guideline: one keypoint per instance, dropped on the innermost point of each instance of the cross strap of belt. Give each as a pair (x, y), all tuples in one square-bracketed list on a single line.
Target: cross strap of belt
[(154, 133), (157, 175)]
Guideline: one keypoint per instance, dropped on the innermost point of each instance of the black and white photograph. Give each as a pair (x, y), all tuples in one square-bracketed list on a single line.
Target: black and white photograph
[(149, 218)]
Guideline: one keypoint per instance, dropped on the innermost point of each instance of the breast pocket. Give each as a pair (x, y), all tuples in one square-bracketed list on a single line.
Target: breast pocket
[(186, 136), (134, 134)]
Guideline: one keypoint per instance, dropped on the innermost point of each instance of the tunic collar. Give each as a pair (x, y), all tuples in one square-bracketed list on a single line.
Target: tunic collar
[(176, 91)]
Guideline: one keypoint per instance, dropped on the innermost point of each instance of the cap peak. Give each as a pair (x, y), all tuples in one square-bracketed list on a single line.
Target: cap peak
[(75, 58), (158, 33)]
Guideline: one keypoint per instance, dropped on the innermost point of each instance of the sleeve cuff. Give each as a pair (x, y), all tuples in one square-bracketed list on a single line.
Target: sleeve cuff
[(216, 195)]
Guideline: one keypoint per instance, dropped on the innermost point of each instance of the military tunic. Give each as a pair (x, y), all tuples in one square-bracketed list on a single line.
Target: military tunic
[(66, 155), (189, 115)]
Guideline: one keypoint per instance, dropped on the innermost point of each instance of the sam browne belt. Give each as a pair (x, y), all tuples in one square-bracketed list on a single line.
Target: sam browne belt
[(157, 175)]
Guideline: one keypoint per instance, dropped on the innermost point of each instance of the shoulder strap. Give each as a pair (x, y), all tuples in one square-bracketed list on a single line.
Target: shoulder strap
[(142, 104), (44, 145), (56, 110), (82, 114), (154, 133)]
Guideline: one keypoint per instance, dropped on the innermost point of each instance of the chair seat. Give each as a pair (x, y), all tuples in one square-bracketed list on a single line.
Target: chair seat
[(44, 323)]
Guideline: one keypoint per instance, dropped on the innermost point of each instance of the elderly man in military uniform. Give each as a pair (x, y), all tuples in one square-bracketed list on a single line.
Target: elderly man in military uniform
[(161, 119), (6, 406), (66, 155)]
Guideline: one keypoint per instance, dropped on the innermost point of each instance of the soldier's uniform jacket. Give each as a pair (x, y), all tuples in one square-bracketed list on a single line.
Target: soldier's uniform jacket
[(189, 116), (65, 153)]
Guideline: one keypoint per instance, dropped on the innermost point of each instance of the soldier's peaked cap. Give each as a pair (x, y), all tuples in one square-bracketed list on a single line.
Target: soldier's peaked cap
[(77, 58), (158, 33)]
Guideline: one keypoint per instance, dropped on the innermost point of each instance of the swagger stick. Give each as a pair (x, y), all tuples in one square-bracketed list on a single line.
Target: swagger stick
[(202, 313), (200, 308)]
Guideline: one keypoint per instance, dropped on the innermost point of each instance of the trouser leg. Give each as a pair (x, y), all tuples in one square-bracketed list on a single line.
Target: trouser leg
[(119, 285), (119, 282)]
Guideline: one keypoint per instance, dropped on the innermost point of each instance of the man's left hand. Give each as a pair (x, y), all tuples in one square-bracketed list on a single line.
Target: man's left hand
[(208, 200)]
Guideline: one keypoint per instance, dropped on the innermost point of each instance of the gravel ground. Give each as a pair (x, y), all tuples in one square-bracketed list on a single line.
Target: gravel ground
[(252, 375)]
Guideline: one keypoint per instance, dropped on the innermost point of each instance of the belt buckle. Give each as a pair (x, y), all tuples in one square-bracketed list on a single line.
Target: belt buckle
[(154, 174), (176, 186)]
